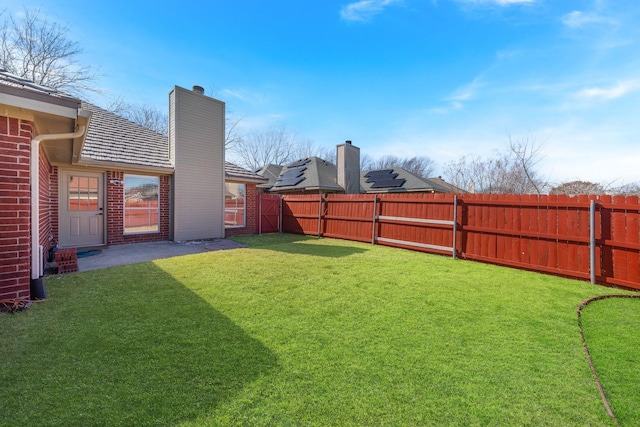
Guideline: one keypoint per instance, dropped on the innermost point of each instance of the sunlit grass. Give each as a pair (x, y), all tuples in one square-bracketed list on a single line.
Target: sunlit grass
[(612, 330), (301, 331)]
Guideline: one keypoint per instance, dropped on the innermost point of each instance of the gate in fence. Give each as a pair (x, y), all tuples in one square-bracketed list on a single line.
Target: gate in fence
[(269, 208)]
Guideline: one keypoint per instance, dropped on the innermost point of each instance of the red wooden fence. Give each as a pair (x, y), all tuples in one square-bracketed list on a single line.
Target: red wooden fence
[(584, 237)]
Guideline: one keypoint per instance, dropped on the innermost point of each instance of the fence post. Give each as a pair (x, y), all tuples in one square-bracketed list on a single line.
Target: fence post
[(592, 241), (455, 223), (320, 216), (280, 215), (375, 211), (260, 214)]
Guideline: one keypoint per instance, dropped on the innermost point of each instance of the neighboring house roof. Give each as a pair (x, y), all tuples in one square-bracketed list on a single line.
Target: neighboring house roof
[(114, 139), (398, 180), (270, 172), (236, 172), (452, 188), (318, 175), (309, 174)]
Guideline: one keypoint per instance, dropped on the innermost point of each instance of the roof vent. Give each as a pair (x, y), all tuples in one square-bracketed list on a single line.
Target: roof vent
[(198, 89), (348, 142)]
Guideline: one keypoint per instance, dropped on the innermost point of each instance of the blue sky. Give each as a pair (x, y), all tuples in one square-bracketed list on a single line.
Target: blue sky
[(440, 78)]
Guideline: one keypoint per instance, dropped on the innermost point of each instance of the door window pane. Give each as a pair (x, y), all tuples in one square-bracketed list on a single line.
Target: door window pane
[(141, 204), (83, 193)]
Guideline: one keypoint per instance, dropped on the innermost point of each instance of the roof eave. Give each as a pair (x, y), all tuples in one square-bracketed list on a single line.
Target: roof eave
[(40, 102), (241, 178), (126, 166)]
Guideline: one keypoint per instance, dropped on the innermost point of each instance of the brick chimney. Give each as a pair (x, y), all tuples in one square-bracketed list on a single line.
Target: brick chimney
[(348, 165)]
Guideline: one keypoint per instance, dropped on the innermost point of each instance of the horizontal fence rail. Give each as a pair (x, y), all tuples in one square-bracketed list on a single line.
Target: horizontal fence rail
[(594, 238)]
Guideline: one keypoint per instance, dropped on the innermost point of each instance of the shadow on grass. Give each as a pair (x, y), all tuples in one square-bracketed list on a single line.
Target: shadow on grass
[(296, 244), (260, 240), (125, 346), (331, 251)]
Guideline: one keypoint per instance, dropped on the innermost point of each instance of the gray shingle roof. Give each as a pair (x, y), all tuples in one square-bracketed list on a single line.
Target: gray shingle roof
[(234, 171), (114, 139), (270, 172), (412, 183), (319, 175), (452, 188)]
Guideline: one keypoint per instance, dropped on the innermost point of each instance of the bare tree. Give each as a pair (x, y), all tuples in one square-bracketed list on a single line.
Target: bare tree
[(261, 147), (527, 154), (38, 50), (418, 165), (306, 148), (631, 189), (510, 172), (573, 188), (149, 117), (467, 173), (232, 132)]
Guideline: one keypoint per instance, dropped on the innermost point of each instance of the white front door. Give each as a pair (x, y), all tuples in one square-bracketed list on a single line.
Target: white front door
[(81, 209)]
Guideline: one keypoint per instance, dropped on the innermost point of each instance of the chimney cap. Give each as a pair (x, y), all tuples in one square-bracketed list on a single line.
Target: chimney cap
[(348, 141), (198, 89)]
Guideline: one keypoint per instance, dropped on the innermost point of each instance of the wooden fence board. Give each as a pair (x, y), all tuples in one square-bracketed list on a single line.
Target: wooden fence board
[(633, 237), (618, 234)]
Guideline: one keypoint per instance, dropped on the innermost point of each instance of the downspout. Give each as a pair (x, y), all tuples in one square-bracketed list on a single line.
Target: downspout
[(34, 169)]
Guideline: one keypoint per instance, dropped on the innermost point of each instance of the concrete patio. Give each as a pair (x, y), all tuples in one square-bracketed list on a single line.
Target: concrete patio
[(141, 252)]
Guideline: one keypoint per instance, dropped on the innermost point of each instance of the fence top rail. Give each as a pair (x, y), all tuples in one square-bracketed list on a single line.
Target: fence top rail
[(301, 198), (531, 203), (619, 207), (415, 220), (617, 203), (354, 200), (416, 200)]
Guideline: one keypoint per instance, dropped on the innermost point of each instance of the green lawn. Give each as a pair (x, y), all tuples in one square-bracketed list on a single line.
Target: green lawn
[(298, 331)]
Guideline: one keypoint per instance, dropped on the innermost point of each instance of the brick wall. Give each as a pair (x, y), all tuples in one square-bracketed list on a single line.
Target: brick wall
[(15, 208), (115, 212), (251, 214)]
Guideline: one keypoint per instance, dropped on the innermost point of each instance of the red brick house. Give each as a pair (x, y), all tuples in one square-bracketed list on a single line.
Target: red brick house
[(74, 174)]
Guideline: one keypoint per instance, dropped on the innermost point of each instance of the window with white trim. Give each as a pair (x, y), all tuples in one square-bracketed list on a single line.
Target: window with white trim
[(235, 205), (141, 204)]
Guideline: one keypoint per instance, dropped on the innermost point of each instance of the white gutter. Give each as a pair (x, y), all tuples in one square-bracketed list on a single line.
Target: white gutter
[(34, 165)]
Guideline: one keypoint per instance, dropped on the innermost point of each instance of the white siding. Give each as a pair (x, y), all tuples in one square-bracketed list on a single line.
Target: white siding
[(196, 136), (348, 168)]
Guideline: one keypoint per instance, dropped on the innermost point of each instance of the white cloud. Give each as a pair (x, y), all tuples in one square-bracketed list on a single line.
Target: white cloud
[(508, 53), (364, 10), (618, 91), (467, 92), (459, 96), (578, 19)]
